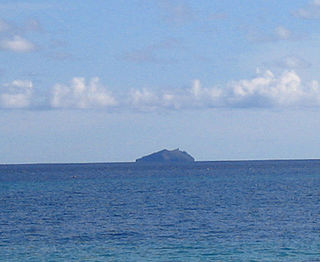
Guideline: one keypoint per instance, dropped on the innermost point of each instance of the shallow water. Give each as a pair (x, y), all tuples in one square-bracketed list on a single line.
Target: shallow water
[(207, 211)]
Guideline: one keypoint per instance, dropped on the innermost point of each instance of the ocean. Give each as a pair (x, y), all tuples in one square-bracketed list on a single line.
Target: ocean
[(202, 211)]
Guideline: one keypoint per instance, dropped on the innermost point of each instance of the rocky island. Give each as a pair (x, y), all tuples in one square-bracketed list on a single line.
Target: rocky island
[(165, 156)]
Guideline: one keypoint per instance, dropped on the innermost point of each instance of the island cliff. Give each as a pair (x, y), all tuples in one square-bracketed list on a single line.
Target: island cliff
[(165, 156)]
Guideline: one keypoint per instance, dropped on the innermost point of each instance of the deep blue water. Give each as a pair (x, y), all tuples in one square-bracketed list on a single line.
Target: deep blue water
[(207, 211)]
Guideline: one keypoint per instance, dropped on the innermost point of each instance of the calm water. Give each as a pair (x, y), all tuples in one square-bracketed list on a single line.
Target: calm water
[(209, 211)]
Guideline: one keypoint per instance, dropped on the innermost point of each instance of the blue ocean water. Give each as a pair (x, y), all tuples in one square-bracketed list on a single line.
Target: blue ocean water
[(205, 211)]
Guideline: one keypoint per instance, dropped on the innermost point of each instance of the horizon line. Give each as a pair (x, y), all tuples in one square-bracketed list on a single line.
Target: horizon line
[(163, 163)]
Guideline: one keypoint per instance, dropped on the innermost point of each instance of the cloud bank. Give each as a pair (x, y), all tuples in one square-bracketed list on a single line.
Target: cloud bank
[(265, 90)]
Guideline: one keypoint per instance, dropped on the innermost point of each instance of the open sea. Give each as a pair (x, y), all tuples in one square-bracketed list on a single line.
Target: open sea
[(203, 211)]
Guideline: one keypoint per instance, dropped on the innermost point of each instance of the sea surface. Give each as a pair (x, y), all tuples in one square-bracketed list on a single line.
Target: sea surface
[(204, 211)]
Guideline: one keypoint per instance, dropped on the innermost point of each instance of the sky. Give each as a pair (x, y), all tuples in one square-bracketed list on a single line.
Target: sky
[(109, 81)]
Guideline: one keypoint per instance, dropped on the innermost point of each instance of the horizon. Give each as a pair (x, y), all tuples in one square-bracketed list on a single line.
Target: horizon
[(159, 163)]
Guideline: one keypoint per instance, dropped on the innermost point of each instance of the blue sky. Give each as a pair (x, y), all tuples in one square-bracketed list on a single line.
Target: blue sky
[(102, 81)]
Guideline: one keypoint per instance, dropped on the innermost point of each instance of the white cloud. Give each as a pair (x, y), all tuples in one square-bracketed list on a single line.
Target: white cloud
[(12, 36), (144, 99), (17, 44), (283, 33), (79, 94), (293, 62), (310, 11), (265, 90), (279, 33), (17, 94)]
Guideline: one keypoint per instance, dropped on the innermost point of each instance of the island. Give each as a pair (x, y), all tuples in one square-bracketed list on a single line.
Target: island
[(166, 156)]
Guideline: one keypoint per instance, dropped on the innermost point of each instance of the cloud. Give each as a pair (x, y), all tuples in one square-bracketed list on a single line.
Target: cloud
[(190, 98), (283, 33), (144, 100), (310, 11), (279, 33), (293, 62), (263, 91), (12, 36), (11, 28), (17, 94), (266, 90), (80, 94), (17, 44)]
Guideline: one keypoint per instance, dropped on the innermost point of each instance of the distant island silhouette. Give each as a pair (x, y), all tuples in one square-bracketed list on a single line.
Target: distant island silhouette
[(165, 156)]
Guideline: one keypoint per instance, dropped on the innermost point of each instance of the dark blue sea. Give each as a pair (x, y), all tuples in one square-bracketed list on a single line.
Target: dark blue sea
[(204, 211)]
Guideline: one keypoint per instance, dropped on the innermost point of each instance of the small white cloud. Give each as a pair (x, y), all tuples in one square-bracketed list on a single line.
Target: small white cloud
[(280, 33), (199, 96), (293, 62), (146, 100), (310, 11), (79, 94), (143, 97), (17, 94), (17, 44), (283, 33)]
